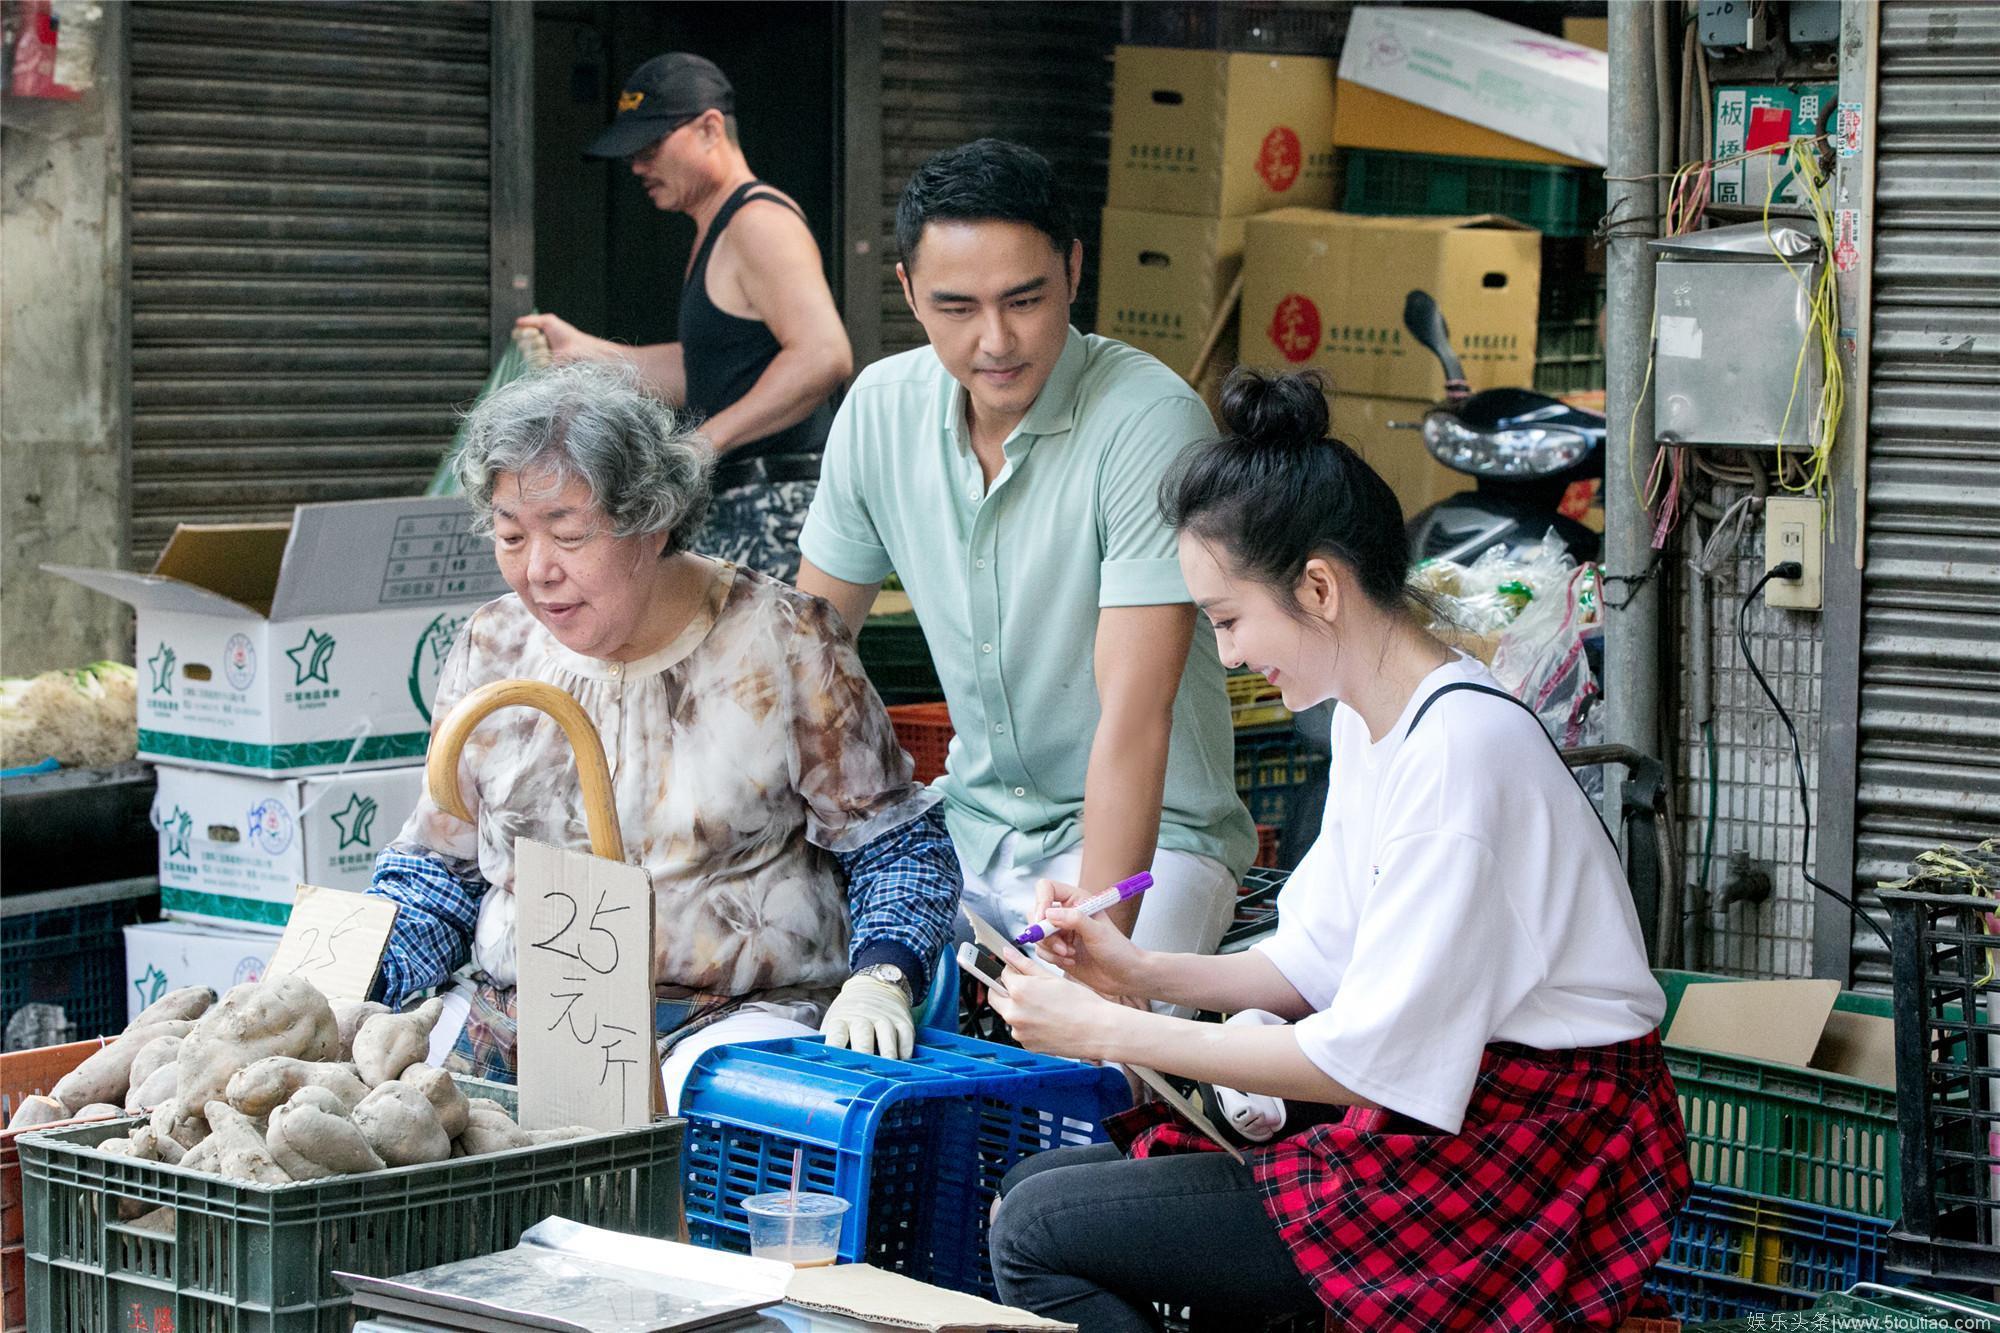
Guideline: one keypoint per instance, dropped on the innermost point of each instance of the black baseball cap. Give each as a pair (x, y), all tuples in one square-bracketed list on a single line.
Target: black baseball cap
[(664, 93)]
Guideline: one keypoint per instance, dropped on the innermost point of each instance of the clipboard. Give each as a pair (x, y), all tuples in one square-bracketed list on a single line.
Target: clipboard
[(1003, 948)]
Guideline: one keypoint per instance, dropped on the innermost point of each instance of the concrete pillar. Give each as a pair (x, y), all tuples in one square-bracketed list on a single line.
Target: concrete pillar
[(65, 379)]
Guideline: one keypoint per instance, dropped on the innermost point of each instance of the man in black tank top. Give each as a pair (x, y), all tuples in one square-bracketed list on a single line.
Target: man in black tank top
[(761, 346)]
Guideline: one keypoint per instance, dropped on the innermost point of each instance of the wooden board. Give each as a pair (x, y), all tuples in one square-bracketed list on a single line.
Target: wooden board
[(583, 934), (334, 939)]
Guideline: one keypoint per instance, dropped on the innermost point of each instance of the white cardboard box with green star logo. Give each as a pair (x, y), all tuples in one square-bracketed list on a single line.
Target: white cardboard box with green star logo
[(162, 956), (235, 848), (304, 647)]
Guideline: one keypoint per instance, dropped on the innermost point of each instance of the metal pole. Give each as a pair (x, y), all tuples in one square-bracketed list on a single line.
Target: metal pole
[(1632, 640)]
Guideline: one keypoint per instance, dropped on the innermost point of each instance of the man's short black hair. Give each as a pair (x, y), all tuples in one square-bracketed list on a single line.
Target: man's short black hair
[(987, 180)]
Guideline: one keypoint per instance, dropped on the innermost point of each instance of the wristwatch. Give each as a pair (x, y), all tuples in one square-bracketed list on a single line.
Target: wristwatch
[(891, 974)]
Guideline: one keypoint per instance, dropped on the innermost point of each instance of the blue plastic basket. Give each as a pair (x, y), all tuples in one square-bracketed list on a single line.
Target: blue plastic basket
[(916, 1147), (73, 957), (1735, 1254)]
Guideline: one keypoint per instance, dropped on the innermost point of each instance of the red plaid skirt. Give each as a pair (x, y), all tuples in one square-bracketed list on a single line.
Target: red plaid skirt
[(1544, 1212)]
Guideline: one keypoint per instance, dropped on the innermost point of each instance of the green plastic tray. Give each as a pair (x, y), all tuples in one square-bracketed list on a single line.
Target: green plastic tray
[(1556, 201), (246, 1258), (1785, 1132)]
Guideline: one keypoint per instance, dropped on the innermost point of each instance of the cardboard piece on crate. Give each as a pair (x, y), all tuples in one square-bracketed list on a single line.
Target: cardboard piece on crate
[(234, 848), (1779, 1021), (1860, 1046), (1593, 33), (334, 940), (585, 997), (1220, 134), (305, 647), (163, 956), (1326, 290), (1364, 118), (1161, 279), (1514, 80), (867, 1293)]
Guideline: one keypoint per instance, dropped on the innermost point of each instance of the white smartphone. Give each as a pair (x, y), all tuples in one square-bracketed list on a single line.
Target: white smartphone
[(973, 959)]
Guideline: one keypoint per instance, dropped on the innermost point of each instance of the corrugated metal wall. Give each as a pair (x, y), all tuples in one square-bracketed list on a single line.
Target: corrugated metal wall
[(310, 252), (1036, 73), (1929, 765)]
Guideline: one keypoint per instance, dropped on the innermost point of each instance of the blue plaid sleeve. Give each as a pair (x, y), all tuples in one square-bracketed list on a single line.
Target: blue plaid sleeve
[(437, 908), (903, 888)]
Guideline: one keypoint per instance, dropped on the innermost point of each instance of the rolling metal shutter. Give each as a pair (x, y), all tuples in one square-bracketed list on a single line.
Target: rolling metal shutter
[(1039, 74), (310, 239), (1929, 735)]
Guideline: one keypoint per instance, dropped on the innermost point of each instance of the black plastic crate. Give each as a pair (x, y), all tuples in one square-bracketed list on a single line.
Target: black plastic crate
[(1272, 764), (73, 957), (1946, 963)]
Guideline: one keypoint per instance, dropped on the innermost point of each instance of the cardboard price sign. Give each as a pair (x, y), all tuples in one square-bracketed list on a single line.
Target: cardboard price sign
[(583, 932), (334, 939)]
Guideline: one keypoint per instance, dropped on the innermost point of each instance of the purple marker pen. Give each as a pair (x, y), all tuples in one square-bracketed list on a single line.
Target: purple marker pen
[(1091, 906)]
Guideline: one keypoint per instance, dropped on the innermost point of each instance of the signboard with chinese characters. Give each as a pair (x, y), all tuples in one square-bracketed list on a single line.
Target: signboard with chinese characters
[(334, 940), (1749, 120), (584, 1004)]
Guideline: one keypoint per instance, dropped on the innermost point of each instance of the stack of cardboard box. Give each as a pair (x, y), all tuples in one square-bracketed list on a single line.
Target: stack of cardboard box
[(1325, 291), (1200, 142), (286, 678)]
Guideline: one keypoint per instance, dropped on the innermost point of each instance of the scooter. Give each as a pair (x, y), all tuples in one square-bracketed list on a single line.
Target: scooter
[(1524, 448)]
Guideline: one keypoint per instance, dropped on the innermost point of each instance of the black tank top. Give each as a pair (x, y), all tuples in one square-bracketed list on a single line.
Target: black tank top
[(723, 355)]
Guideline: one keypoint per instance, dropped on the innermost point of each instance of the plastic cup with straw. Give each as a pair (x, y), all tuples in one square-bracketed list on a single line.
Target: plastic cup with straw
[(799, 1228)]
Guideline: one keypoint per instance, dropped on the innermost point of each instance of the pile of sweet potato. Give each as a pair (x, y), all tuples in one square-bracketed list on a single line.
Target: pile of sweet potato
[(273, 1083)]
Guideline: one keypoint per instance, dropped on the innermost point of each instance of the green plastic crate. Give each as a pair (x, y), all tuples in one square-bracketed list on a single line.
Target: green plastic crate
[(1556, 201), (1784, 1132), (244, 1258)]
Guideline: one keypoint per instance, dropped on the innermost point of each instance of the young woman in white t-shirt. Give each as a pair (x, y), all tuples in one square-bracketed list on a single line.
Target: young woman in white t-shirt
[(1454, 1015)]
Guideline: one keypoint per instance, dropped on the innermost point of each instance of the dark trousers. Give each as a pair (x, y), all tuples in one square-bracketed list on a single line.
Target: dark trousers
[(1093, 1238)]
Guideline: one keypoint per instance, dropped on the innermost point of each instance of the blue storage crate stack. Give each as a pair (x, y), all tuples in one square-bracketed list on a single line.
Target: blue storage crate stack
[(1735, 1254), (73, 957), (916, 1147)]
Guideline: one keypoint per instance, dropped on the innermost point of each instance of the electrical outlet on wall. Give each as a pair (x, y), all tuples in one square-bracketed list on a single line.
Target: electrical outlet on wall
[(1792, 532)]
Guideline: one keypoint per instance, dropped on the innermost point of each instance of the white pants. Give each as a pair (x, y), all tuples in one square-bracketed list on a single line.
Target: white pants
[(1192, 901)]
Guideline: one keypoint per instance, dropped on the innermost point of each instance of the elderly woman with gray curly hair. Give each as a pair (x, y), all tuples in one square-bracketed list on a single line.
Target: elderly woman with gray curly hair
[(799, 875)]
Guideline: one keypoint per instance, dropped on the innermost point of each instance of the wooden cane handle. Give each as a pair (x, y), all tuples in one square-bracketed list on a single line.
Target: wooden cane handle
[(441, 765)]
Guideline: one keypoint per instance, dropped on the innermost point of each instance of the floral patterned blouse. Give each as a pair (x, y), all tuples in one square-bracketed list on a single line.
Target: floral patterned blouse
[(743, 755)]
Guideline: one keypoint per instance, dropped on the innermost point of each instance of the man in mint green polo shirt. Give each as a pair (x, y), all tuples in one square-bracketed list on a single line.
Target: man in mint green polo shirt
[(1009, 473)]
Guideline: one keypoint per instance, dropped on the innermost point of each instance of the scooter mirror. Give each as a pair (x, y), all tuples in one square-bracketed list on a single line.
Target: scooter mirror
[(1425, 322)]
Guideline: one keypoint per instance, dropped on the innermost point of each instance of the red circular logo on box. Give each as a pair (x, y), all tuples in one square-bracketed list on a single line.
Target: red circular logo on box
[(1279, 160), (1295, 327)]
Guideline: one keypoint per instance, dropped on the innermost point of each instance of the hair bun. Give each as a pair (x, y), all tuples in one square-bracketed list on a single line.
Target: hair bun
[(1275, 411)]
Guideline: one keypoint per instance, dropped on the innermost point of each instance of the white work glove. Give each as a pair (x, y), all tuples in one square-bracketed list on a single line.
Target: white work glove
[(872, 1017), (1254, 1115)]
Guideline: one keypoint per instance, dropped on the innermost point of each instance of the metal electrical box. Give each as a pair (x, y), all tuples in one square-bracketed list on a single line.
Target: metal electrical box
[(1732, 321)]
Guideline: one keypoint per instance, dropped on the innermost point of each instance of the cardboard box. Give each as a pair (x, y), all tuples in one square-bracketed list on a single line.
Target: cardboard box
[(1512, 80), (233, 848), (1220, 134), (1326, 290), (1786, 1022), (166, 955), (1369, 426), (302, 647), (1364, 118), (1161, 277), (1593, 33)]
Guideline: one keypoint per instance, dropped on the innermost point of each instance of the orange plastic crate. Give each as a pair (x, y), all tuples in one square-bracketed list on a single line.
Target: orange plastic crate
[(925, 731), (22, 1075)]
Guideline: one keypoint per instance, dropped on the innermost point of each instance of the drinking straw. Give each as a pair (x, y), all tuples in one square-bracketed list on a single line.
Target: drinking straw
[(792, 1213)]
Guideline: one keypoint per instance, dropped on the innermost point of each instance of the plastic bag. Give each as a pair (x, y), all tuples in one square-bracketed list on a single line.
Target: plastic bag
[(1528, 611), (522, 355)]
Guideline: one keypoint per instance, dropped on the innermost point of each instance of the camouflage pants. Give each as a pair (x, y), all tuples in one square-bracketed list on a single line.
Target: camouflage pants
[(758, 526)]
